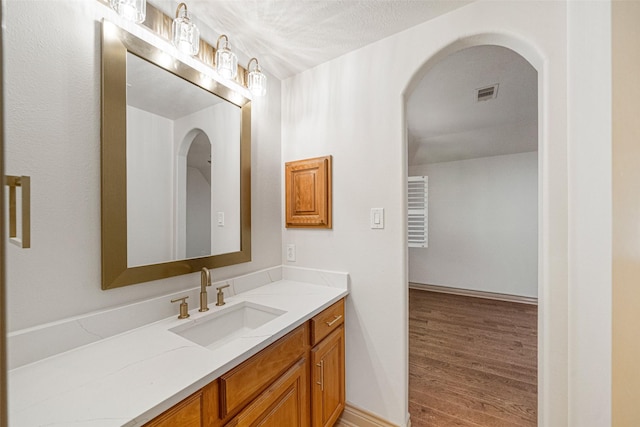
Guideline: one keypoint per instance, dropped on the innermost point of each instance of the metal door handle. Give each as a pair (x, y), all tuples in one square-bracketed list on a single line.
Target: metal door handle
[(24, 241), (321, 382)]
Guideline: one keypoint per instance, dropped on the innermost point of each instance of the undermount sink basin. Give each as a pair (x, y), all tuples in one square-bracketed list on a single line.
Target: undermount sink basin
[(223, 326)]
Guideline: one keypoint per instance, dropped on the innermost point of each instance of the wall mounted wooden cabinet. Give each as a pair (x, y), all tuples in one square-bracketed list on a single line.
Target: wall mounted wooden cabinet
[(308, 193), (298, 381)]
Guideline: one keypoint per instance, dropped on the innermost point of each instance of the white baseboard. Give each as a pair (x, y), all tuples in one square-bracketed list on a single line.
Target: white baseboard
[(476, 294), (358, 417)]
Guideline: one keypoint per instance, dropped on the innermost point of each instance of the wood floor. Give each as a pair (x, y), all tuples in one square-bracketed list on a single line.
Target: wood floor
[(472, 361)]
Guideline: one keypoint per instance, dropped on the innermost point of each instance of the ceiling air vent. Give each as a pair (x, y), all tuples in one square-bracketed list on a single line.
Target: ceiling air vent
[(487, 93)]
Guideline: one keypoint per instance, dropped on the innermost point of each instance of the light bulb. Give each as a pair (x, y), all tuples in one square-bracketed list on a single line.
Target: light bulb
[(226, 61), (131, 10), (257, 82), (186, 36)]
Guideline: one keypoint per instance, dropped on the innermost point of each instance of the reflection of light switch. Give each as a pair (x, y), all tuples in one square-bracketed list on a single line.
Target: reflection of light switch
[(220, 219), (377, 217)]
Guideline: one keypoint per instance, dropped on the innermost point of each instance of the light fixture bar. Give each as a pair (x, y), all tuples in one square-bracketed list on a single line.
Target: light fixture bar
[(161, 24)]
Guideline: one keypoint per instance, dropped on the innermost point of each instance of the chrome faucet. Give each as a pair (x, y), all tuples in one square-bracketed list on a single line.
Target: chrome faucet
[(205, 280)]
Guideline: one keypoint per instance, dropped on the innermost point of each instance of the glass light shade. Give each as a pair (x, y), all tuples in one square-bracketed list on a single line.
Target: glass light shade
[(257, 82), (185, 34), (131, 10), (226, 62)]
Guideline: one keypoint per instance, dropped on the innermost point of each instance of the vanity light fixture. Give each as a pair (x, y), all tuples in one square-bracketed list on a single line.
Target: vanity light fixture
[(226, 61), (256, 80), (185, 34), (131, 10)]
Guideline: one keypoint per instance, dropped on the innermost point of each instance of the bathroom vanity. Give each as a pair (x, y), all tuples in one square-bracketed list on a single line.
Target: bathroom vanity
[(273, 353), (297, 379)]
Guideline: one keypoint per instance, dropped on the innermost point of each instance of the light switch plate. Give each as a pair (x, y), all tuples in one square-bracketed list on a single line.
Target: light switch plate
[(291, 252), (377, 218), (220, 219)]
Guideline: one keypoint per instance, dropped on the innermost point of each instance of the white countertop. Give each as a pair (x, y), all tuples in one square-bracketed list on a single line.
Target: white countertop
[(128, 379)]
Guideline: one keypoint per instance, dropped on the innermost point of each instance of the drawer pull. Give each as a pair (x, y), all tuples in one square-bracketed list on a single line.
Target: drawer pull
[(334, 320), (321, 382)]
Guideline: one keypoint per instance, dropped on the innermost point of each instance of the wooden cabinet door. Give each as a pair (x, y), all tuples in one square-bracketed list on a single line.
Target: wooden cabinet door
[(245, 382), (285, 403), (187, 413), (308, 193), (327, 380)]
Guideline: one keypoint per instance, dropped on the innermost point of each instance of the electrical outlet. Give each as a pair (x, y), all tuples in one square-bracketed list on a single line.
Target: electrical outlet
[(291, 252)]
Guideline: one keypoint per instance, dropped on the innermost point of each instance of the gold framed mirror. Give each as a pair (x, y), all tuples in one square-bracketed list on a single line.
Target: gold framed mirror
[(145, 237)]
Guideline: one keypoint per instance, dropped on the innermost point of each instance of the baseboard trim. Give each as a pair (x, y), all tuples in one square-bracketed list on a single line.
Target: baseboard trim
[(352, 416), (476, 294)]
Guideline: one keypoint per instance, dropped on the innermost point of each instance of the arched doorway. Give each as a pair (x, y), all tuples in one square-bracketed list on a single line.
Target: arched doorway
[(198, 203), (473, 130), (552, 214), (193, 195)]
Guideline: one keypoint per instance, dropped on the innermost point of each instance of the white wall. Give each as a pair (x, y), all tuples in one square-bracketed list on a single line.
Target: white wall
[(52, 106), (590, 211), (149, 188), (352, 108), (483, 225)]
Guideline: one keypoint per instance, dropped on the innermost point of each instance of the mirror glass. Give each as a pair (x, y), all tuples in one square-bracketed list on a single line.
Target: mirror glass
[(175, 166), (183, 168)]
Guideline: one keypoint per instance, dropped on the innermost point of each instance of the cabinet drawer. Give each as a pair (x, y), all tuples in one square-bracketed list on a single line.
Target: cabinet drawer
[(243, 383), (327, 321)]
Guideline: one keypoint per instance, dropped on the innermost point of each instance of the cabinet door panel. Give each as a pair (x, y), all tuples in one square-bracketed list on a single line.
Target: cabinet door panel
[(284, 403), (243, 383), (308, 193), (185, 414), (327, 392)]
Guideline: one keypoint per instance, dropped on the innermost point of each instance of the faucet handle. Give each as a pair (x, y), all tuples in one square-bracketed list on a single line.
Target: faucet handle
[(220, 294), (184, 307)]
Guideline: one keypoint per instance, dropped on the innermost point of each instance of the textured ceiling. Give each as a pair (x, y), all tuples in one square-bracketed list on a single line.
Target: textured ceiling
[(445, 122), (290, 36)]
